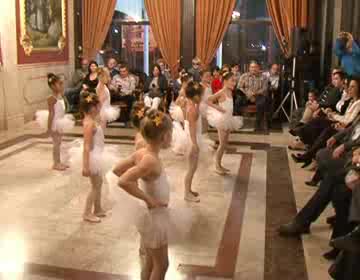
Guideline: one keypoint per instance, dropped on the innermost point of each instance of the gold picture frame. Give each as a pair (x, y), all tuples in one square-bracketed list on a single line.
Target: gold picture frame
[(42, 25)]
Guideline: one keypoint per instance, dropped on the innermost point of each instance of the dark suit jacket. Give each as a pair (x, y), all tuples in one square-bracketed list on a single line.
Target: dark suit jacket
[(163, 84)]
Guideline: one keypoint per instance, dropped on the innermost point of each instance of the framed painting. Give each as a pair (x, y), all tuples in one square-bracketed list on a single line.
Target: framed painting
[(42, 31)]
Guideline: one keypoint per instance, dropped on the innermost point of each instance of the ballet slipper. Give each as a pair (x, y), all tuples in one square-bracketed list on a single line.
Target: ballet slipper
[(101, 214), (194, 193), (220, 172), (191, 198), (59, 167), (91, 218)]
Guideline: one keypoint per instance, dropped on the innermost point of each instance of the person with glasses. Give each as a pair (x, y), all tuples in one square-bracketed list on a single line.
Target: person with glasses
[(195, 69)]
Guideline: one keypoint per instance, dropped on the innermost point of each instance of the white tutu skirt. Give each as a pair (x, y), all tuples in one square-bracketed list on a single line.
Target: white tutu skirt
[(157, 227), (101, 159), (66, 123), (176, 112), (109, 113), (223, 121), (179, 144)]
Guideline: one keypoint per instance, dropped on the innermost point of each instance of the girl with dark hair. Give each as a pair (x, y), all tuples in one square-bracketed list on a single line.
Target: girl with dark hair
[(216, 83), (220, 115), (54, 119), (91, 79), (155, 88), (194, 93)]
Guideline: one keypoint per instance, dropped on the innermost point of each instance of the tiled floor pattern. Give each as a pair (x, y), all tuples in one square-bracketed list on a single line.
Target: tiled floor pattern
[(42, 209)]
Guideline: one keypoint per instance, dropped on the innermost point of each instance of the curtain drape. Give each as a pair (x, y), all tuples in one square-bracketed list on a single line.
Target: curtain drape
[(165, 22), (212, 21), (96, 19), (285, 15)]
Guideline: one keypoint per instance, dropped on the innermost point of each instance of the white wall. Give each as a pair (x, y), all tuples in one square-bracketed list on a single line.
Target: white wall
[(23, 88)]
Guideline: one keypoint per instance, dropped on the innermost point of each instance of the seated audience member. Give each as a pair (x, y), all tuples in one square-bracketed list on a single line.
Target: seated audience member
[(347, 267), (122, 87), (112, 67), (73, 94), (216, 83), (164, 69), (155, 88), (255, 86), (235, 68), (273, 76), (331, 122), (177, 83), (91, 80), (195, 69), (226, 68), (348, 52), (333, 167), (312, 101)]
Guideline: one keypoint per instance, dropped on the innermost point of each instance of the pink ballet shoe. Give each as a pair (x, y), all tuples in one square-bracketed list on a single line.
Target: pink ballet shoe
[(59, 167), (191, 198), (101, 214), (91, 218)]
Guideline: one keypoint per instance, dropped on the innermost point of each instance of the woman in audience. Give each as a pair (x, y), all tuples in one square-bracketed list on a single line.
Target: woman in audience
[(333, 122), (155, 88), (216, 83), (91, 80)]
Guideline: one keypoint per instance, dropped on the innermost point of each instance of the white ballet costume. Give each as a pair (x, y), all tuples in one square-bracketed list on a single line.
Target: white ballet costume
[(108, 113), (101, 160), (61, 121), (179, 136), (159, 226), (224, 121)]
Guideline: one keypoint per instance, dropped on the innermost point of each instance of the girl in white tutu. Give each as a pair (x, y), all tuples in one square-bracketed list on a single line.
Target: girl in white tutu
[(220, 116), (92, 156), (108, 113), (194, 92), (55, 120), (142, 176), (177, 113), (205, 75)]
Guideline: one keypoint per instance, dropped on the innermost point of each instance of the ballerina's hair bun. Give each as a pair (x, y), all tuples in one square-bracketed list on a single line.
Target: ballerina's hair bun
[(138, 113), (194, 89), (52, 79), (154, 125), (227, 75), (101, 71), (89, 99)]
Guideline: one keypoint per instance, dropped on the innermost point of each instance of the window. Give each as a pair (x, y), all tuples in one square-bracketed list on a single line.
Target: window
[(249, 36), (130, 37)]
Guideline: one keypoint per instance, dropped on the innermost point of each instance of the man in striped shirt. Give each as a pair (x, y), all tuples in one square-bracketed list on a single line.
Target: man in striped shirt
[(255, 86)]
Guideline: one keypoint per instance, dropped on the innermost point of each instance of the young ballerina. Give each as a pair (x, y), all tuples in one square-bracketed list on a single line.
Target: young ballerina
[(92, 156), (143, 177), (55, 120), (194, 92), (177, 113), (108, 113), (220, 115)]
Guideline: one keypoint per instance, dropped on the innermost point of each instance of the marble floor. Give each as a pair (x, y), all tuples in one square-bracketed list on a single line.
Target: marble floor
[(43, 237)]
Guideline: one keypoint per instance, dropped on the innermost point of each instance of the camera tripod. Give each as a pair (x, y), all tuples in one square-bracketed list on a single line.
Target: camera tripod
[(290, 95)]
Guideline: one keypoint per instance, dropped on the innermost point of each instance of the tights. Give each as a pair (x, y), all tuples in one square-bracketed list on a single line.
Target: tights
[(193, 160), (223, 140), (155, 264), (56, 137), (93, 199)]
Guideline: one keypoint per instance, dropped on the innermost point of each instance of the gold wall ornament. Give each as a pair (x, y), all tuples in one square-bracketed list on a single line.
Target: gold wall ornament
[(26, 43), (42, 25)]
